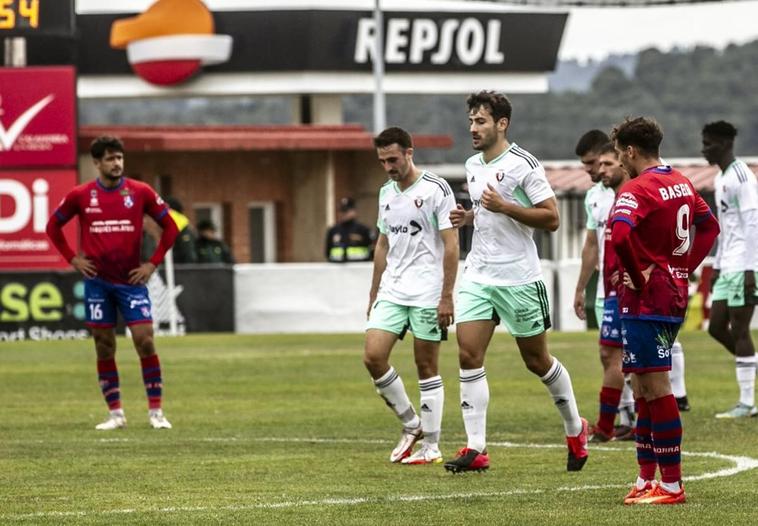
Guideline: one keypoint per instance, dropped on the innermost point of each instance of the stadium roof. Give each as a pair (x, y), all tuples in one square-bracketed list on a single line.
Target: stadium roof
[(234, 138)]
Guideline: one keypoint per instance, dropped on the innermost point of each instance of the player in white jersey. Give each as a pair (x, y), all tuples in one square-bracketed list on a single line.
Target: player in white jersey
[(415, 264), (502, 279), (615, 395), (734, 291)]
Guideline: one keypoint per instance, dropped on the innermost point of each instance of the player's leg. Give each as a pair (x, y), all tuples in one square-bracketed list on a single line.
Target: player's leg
[(643, 357), (718, 320), (676, 375), (525, 310), (136, 308), (745, 361), (387, 323), (426, 347), (610, 394), (101, 319)]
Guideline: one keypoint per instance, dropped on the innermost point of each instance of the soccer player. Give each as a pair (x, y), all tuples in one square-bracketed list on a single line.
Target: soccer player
[(734, 292), (502, 278), (651, 227), (616, 394), (110, 211), (415, 264)]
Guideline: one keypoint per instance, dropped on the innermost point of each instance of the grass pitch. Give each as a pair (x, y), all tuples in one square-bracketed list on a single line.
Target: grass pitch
[(288, 430)]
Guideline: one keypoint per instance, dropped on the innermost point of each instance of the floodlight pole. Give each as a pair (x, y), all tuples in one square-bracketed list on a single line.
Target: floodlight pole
[(380, 112)]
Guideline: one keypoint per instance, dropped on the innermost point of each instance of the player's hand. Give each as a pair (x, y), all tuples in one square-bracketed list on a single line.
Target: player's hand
[(615, 278), (445, 315), (714, 277), (141, 274), (458, 216), (579, 305), (493, 201), (749, 283), (645, 275), (85, 266)]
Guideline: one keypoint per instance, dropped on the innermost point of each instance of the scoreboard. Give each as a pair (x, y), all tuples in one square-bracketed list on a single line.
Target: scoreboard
[(27, 18)]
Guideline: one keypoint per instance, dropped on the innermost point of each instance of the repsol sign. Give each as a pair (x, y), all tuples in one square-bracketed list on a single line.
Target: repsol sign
[(341, 40)]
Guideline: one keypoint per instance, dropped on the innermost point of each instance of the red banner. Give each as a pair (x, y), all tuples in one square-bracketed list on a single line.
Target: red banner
[(27, 198), (37, 117)]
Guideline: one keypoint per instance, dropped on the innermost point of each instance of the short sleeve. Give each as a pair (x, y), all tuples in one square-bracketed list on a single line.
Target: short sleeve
[(591, 223), (631, 207), (747, 189), (535, 185), (445, 204), (68, 207)]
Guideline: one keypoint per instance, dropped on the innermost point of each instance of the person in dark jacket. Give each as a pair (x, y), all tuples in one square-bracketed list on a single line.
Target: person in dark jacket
[(210, 249), (348, 240), (184, 250)]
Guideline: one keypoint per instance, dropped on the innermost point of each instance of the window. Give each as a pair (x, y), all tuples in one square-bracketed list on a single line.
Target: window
[(211, 211), (262, 227)]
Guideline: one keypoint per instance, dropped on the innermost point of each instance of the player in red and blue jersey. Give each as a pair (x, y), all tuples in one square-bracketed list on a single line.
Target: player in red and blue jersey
[(651, 227), (111, 210)]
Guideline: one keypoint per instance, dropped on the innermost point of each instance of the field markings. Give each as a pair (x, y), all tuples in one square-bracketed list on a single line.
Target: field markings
[(741, 463)]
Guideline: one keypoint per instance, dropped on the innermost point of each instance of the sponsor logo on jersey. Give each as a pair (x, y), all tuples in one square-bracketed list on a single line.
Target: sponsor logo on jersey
[(93, 198), (626, 200)]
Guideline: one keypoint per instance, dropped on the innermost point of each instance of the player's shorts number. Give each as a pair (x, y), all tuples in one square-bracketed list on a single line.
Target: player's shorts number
[(96, 311), (683, 230)]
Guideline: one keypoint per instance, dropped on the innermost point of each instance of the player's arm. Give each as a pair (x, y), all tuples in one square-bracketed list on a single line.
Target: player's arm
[(445, 312), (707, 229), (459, 216), (590, 255), (380, 264), (620, 240), (54, 231), (543, 215), (141, 274)]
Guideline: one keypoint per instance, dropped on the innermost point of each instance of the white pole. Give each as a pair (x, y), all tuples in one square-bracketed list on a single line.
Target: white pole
[(380, 116), (170, 285)]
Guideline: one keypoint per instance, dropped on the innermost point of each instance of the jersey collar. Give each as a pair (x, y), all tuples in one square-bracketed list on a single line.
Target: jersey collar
[(496, 159), (121, 183), (660, 169)]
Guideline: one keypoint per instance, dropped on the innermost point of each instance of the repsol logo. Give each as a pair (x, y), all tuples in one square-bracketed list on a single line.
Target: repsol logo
[(423, 40)]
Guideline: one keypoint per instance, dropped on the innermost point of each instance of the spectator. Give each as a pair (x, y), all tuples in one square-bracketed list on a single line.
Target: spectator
[(185, 250), (210, 249), (348, 240)]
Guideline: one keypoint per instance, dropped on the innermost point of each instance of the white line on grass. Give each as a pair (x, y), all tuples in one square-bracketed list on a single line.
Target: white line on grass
[(740, 464)]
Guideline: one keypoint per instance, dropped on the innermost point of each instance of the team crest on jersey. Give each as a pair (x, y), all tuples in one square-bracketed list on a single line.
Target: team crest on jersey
[(418, 202), (128, 201), (500, 175)]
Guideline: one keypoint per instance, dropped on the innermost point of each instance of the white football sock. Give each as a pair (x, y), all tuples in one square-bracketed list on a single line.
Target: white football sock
[(432, 403), (475, 396), (745, 366), (390, 387), (676, 375), (558, 382)]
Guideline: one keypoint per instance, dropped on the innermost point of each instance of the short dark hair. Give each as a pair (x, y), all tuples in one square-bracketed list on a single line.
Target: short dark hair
[(641, 132), (497, 104), (722, 129), (103, 143), (174, 203), (591, 141), (608, 147), (393, 135), (205, 224)]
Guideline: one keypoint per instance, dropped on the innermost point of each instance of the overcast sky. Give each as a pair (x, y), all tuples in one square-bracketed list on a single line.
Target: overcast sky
[(595, 33)]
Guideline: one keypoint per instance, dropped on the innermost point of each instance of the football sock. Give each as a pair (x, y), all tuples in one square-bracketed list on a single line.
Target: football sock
[(151, 375), (107, 374), (645, 455), (432, 401), (677, 370), (746, 378), (671, 487), (667, 437), (475, 396), (558, 382), (626, 406), (390, 387), (609, 402)]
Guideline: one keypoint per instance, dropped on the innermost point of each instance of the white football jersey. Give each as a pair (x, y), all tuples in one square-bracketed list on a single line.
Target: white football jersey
[(411, 220), (597, 205), (503, 252), (736, 193)]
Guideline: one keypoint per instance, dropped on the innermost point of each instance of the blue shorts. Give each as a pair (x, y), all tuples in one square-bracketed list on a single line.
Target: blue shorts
[(103, 298), (647, 345), (610, 325)]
